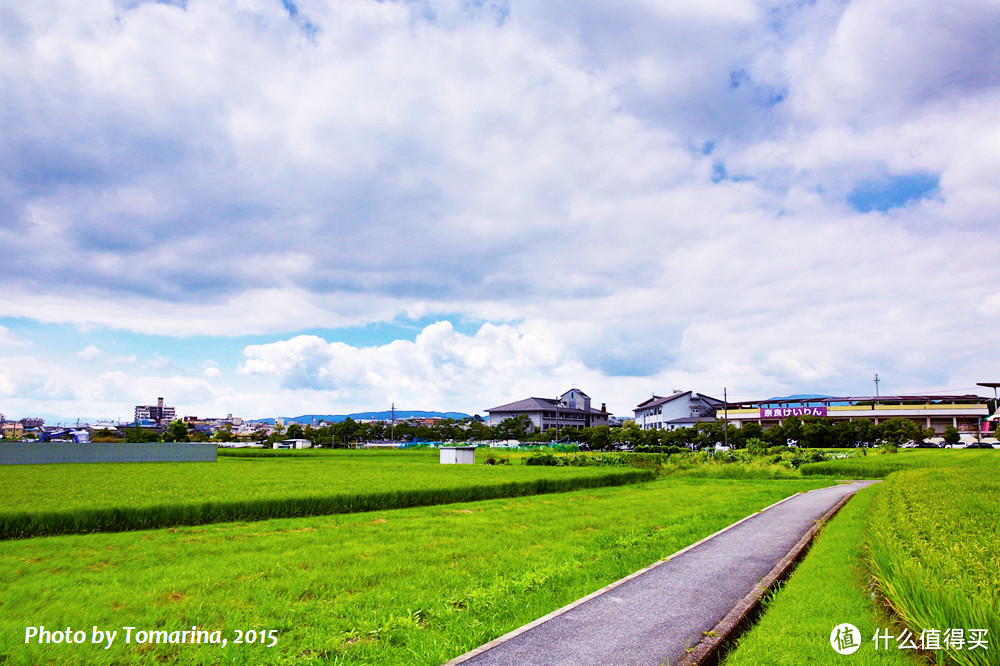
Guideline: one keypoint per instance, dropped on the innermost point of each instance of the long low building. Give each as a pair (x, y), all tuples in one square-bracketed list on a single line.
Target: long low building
[(965, 412)]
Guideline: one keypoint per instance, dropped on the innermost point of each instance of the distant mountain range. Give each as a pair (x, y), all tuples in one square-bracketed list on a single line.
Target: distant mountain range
[(307, 419)]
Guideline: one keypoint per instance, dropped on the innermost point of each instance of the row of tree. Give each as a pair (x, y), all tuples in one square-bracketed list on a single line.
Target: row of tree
[(807, 431)]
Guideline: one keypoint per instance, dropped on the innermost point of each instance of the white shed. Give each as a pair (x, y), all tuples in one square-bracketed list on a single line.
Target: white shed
[(293, 444), (458, 455)]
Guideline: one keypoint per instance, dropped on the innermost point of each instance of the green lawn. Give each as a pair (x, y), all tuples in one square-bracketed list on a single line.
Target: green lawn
[(409, 586)]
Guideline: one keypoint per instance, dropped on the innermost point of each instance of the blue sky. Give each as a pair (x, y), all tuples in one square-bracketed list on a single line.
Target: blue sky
[(273, 208)]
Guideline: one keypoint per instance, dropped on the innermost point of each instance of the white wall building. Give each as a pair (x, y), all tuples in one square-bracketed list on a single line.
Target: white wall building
[(683, 409)]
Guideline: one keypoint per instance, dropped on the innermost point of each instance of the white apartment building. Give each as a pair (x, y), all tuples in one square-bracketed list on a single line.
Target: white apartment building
[(682, 409)]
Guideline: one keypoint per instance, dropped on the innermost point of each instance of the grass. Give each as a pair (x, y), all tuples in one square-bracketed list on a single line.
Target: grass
[(81, 498), (828, 588), (414, 586)]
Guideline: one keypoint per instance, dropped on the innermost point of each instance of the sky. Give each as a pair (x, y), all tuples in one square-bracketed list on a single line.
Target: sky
[(284, 207)]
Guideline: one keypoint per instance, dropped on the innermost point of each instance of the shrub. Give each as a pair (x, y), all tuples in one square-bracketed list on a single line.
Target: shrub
[(542, 459)]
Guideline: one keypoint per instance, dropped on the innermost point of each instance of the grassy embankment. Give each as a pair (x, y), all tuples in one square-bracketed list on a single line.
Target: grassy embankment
[(81, 498), (923, 545), (409, 586)]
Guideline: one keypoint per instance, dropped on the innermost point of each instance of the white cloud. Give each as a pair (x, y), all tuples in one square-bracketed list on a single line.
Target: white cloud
[(441, 366), (89, 353), (8, 339)]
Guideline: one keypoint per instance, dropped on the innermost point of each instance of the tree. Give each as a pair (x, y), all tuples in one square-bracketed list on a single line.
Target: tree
[(898, 431), (260, 434), (817, 433), (319, 436), (597, 437), (775, 436), (348, 430), (952, 436), (793, 429), (139, 434), (515, 427), (478, 431), (709, 434), (751, 430), (682, 437), (295, 432), (629, 435), (106, 435), (177, 431)]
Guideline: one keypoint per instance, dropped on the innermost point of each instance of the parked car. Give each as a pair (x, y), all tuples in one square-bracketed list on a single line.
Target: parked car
[(979, 445)]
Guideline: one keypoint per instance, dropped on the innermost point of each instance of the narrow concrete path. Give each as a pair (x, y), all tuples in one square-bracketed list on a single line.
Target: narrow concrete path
[(654, 616)]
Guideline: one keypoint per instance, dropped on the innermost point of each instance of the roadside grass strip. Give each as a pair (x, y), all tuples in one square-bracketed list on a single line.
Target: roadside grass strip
[(73, 499), (934, 549), (829, 587), (408, 586)]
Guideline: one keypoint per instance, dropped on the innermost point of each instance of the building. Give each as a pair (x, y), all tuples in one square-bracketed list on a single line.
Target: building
[(158, 414), (965, 413), (213, 423), (12, 430), (682, 409), (572, 409), (293, 443)]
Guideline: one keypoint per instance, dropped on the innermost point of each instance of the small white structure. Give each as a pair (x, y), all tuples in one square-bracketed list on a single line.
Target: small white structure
[(458, 455), (293, 444)]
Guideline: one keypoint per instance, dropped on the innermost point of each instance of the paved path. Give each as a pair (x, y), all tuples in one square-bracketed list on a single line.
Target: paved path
[(653, 616)]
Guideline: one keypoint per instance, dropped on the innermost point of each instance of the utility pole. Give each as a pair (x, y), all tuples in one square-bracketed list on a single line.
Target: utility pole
[(392, 424), (557, 420), (876, 384), (725, 411)]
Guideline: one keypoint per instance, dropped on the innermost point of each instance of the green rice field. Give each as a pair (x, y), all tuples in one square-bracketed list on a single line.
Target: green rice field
[(934, 552), (407, 586), (80, 498), (447, 557)]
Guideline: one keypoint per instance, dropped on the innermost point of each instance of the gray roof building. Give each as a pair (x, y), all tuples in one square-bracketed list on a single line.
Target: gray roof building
[(572, 409)]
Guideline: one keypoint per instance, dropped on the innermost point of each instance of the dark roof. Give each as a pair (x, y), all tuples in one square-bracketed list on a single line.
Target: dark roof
[(690, 419), (526, 405), (540, 405), (658, 400)]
